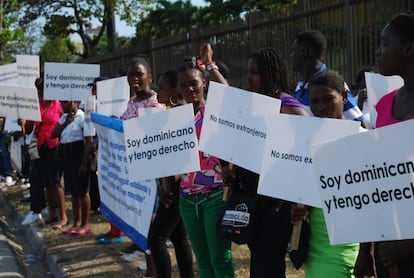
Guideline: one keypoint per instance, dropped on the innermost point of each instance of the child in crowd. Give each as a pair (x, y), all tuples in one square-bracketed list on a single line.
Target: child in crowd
[(327, 96), (70, 130), (395, 56)]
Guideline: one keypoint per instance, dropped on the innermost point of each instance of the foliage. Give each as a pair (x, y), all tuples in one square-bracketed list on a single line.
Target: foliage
[(166, 19), (10, 32), (58, 49)]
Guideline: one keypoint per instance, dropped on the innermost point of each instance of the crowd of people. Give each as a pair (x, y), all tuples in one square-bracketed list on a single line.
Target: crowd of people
[(188, 208)]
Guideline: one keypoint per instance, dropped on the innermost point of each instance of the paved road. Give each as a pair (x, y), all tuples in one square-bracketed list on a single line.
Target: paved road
[(9, 266)]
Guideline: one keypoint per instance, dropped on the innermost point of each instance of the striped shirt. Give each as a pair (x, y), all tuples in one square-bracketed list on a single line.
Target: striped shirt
[(351, 109)]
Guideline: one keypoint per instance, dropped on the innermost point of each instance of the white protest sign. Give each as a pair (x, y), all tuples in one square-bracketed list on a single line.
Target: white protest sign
[(16, 154), (8, 74), (19, 103), (162, 144), (127, 203), (287, 172), (235, 125), (366, 181), (27, 69), (68, 81), (113, 96), (89, 128), (377, 86)]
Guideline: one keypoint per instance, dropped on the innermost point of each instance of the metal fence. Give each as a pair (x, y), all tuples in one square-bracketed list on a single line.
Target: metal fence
[(352, 29)]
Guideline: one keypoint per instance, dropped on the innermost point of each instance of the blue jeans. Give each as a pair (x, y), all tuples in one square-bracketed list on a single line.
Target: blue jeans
[(200, 214)]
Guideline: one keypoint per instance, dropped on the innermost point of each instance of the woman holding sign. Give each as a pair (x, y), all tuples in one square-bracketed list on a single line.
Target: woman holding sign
[(142, 96), (327, 95), (395, 56), (267, 75), (201, 193)]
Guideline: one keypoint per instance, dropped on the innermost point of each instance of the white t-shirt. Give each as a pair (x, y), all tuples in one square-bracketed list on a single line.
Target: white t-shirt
[(75, 130)]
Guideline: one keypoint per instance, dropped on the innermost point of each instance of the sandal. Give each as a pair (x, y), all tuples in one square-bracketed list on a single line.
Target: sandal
[(69, 231), (81, 231), (60, 225)]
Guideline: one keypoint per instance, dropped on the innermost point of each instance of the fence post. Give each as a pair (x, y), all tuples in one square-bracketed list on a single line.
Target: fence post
[(349, 26)]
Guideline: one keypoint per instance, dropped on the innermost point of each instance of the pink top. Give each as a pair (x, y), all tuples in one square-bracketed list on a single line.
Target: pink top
[(209, 178), (50, 118), (133, 106), (384, 110)]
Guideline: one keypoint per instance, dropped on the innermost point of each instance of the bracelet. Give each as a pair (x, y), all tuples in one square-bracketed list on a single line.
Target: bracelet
[(212, 66)]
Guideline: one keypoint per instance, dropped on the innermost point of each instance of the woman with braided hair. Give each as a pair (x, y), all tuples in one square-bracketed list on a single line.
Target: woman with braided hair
[(267, 75)]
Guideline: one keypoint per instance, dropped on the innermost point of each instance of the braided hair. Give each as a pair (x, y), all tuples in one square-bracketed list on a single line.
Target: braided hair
[(272, 69)]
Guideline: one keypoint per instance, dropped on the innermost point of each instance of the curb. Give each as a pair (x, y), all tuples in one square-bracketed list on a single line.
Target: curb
[(34, 237)]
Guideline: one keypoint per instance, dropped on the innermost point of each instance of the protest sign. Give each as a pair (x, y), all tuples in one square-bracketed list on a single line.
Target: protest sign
[(162, 144), (19, 102), (16, 154), (8, 74), (68, 81), (27, 69), (366, 184), (127, 203), (113, 96), (235, 125), (90, 104), (377, 86), (287, 172)]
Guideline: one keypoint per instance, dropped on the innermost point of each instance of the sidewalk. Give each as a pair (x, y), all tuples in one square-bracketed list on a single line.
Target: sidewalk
[(32, 235), (64, 255), (9, 266)]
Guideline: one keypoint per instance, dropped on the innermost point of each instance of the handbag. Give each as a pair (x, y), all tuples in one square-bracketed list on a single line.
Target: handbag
[(298, 257), (236, 223)]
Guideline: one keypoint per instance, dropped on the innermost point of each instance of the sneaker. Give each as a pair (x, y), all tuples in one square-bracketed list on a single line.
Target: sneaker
[(45, 212), (25, 186), (142, 266), (134, 256), (31, 217), (9, 181)]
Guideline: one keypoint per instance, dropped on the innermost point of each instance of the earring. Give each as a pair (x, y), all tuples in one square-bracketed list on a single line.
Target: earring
[(345, 101), (173, 100)]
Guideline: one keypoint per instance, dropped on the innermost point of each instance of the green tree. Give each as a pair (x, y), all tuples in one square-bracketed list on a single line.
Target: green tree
[(58, 49), (166, 19), (10, 31), (65, 17)]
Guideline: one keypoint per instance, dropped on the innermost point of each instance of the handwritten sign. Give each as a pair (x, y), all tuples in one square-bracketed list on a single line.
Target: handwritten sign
[(287, 171), (162, 144), (235, 125), (366, 181)]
